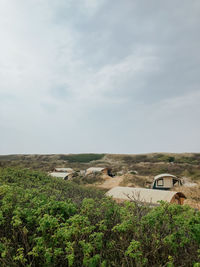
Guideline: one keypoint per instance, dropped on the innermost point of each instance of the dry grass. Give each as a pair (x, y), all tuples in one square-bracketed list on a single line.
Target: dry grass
[(135, 180), (192, 194)]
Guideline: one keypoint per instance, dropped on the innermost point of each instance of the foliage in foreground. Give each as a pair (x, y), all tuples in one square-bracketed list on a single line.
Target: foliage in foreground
[(49, 222)]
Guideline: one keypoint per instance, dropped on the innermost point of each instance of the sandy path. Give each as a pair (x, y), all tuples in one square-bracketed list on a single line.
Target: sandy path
[(111, 182)]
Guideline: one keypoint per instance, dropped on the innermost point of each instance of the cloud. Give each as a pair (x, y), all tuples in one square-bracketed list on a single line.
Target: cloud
[(96, 76)]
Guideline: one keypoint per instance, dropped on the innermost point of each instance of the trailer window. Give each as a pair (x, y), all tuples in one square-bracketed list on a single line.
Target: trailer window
[(160, 182)]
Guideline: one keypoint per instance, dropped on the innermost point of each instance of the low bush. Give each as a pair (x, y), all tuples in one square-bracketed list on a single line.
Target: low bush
[(135, 159), (93, 178), (50, 222), (82, 157), (164, 158), (188, 160)]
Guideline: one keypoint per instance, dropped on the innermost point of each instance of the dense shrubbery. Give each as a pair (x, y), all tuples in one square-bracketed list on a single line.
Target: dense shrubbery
[(163, 158), (50, 222), (93, 178), (81, 157)]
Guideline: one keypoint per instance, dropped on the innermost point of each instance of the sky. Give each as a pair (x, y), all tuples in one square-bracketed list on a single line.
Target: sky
[(99, 76)]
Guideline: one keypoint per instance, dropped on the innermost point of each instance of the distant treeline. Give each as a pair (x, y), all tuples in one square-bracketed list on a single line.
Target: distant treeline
[(81, 157)]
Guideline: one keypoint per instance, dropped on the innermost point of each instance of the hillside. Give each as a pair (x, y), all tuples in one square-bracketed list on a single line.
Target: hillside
[(128, 170), (187, 164)]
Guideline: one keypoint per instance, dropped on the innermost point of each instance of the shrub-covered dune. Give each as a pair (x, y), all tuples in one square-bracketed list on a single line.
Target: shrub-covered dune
[(50, 222)]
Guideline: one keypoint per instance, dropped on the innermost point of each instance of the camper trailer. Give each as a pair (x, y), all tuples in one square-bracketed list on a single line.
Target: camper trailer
[(63, 175), (165, 181), (92, 170)]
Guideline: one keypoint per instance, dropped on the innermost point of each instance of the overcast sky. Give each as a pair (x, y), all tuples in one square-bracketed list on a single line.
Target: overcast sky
[(99, 76)]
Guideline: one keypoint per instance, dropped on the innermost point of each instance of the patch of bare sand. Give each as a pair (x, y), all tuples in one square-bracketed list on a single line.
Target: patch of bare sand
[(110, 182)]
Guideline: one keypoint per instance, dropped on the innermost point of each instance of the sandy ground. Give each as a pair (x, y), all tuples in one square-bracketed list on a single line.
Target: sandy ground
[(111, 182)]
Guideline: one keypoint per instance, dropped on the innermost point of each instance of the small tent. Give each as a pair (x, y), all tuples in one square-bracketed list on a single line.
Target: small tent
[(91, 170), (63, 175), (63, 170), (143, 195)]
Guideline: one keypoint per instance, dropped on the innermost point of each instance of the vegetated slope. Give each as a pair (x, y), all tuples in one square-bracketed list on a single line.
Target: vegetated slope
[(135, 170), (49, 162), (146, 164), (129, 170), (50, 222)]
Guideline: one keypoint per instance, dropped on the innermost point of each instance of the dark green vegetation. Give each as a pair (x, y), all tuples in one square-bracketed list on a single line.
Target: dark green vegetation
[(81, 157), (49, 222)]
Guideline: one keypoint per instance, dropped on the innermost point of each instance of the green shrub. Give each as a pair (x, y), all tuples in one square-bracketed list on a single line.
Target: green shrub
[(50, 222), (82, 157), (188, 160)]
